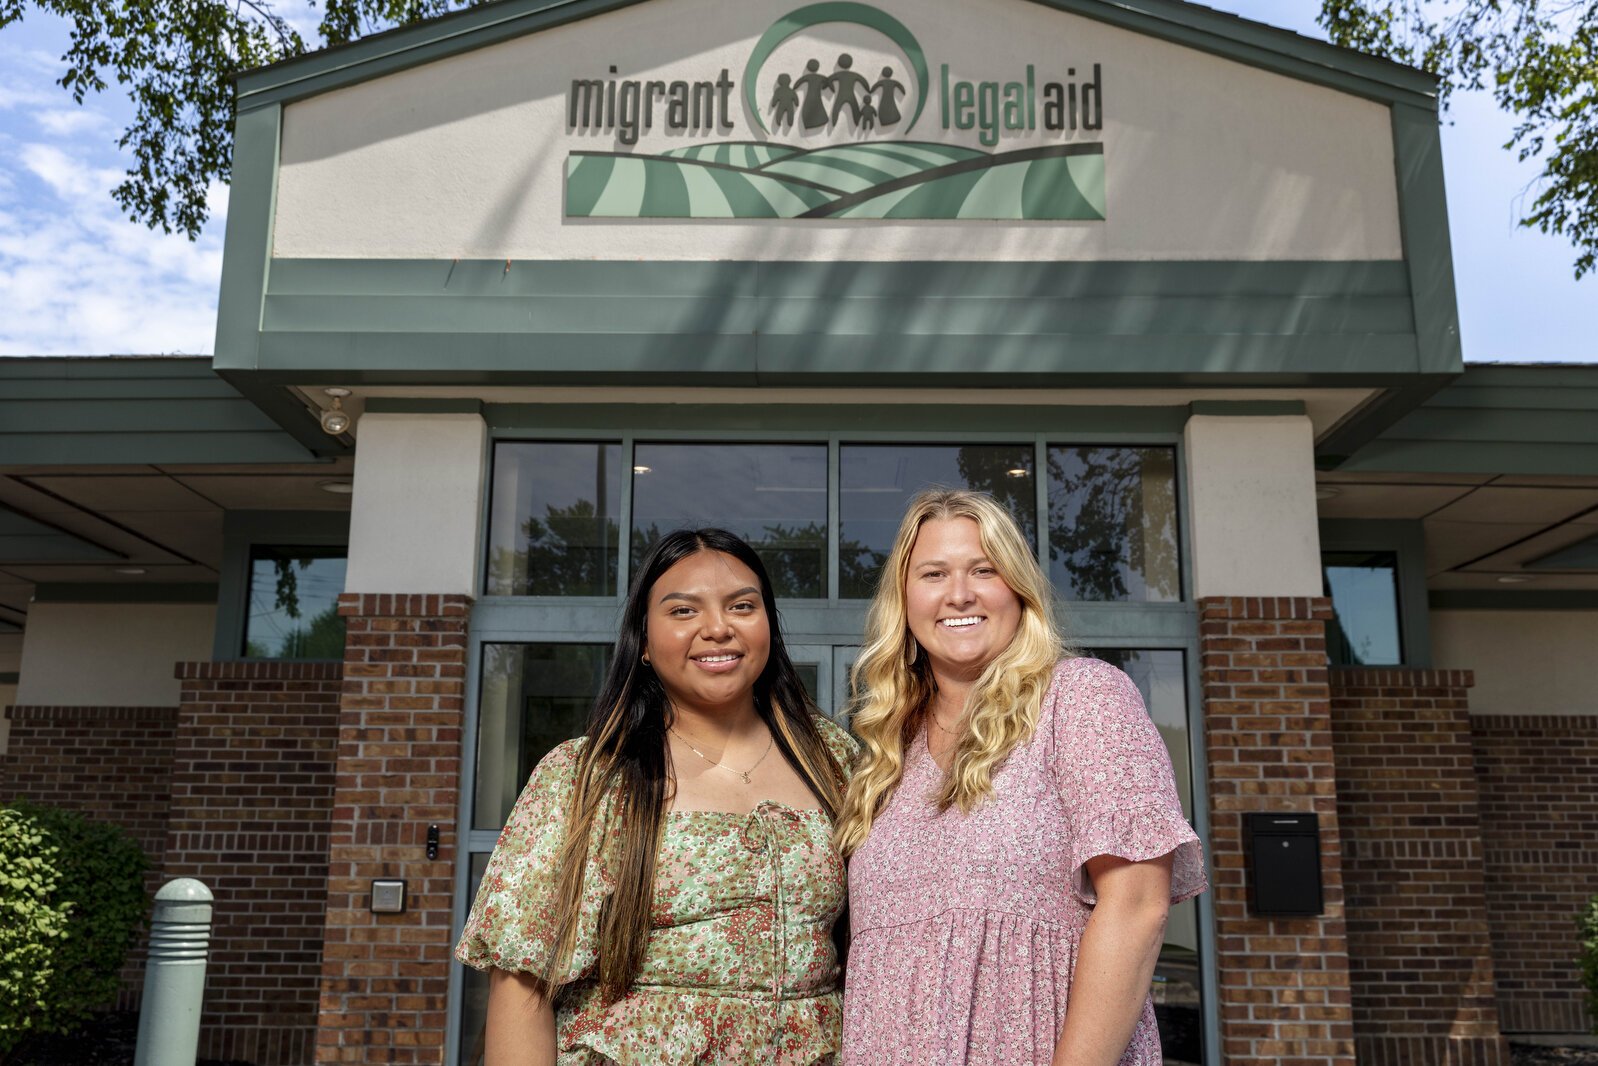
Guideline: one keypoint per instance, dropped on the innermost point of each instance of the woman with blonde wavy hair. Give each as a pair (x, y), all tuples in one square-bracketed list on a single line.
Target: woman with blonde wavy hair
[(1013, 827)]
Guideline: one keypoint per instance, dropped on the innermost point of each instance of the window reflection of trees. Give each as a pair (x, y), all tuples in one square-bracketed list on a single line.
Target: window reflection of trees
[(1112, 523), (1112, 532)]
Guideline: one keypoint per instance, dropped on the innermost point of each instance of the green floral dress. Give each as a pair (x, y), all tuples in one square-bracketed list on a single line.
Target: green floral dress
[(740, 966)]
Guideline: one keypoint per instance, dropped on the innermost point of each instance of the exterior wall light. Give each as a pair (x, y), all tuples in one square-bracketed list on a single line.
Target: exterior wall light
[(334, 421)]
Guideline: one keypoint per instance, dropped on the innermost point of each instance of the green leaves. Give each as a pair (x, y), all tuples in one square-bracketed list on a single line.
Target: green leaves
[(176, 59), (1587, 956), (1539, 58), (82, 885)]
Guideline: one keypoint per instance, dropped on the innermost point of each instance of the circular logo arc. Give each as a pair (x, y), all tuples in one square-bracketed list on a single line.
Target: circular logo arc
[(835, 11)]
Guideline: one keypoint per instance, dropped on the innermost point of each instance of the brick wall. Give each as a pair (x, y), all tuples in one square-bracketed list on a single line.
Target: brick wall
[(252, 792), (1284, 991), (386, 976), (1538, 780), (1420, 958), (111, 763)]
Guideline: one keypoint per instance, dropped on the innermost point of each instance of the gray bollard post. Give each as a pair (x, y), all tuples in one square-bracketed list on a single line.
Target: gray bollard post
[(174, 977)]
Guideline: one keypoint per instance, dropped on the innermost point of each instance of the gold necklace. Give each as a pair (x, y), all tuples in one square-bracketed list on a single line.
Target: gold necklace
[(770, 741)]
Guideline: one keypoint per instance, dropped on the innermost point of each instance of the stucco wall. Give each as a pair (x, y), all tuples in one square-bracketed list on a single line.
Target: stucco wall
[(1204, 157), (1526, 662), (110, 654)]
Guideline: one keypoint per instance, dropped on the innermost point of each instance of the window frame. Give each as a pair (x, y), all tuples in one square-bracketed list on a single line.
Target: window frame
[(1406, 540), (1136, 625), (242, 533)]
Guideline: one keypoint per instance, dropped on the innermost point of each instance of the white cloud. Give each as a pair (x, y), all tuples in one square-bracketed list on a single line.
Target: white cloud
[(70, 122), (77, 277)]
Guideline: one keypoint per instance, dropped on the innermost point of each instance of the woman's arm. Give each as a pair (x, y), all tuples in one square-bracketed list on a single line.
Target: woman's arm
[(1115, 961), (521, 1023)]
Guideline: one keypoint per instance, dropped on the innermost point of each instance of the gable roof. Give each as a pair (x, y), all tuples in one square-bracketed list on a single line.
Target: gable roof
[(1192, 25)]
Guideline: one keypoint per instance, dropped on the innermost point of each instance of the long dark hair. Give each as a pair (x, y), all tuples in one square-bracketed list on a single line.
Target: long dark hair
[(627, 749)]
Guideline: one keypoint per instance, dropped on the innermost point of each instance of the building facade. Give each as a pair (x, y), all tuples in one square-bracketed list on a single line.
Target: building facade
[(508, 294)]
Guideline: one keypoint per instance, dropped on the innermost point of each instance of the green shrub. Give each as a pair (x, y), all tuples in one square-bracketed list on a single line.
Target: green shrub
[(100, 889), (1587, 925), (33, 923)]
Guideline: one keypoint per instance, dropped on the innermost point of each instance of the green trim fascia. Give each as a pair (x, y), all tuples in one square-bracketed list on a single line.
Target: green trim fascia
[(241, 530), (1514, 600), (820, 421), (1407, 539), (979, 360), (121, 411), (83, 369), (247, 247), (422, 405), (125, 592), (1228, 36), (857, 323), (918, 279), (1474, 457), (1423, 225), (1246, 408), (290, 414), (1370, 420), (1530, 375)]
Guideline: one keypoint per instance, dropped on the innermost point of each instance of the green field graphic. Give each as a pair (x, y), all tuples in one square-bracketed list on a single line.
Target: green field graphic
[(869, 180)]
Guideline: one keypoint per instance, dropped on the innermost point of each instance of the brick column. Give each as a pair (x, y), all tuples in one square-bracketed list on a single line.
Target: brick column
[(1539, 817), (1284, 991), (1420, 956), (252, 784), (385, 977), (113, 764)]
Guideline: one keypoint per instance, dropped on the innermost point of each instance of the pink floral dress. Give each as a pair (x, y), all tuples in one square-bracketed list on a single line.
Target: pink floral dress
[(740, 966), (966, 927)]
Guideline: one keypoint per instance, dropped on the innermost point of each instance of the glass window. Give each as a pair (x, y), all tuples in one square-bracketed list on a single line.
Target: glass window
[(877, 481), (293, 600), (1112, 524), (553, 519), (1161, 676), (533, 697), (772, 495), (1364, 591)]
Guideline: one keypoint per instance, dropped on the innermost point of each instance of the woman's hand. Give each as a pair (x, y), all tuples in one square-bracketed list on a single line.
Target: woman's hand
[(521, 1023), (1115, 962)]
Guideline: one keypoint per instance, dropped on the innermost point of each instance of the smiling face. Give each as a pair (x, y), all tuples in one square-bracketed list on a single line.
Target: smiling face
[(708, 637), (957, 606)]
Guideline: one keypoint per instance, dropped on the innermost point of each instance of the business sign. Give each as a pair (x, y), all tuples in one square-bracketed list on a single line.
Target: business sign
[(869, 130)]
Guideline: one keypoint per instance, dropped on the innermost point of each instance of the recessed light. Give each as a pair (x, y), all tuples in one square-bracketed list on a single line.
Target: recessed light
[(642, 469), (1327, 492), (337, 488), (1018, 471), (131, 570), (1513, 579)]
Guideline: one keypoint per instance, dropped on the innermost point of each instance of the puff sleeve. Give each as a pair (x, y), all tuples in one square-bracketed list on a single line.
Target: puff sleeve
[(514, 920), (1114, 777)]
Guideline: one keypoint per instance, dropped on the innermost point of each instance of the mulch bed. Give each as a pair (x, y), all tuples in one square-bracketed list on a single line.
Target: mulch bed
[(1532, 1055), (109, 1040)]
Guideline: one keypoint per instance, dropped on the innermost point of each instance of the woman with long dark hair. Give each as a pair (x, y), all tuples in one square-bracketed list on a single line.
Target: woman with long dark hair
[(666, 887)]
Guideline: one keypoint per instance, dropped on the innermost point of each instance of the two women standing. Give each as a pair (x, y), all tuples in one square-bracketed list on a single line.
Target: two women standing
[(667, 886)]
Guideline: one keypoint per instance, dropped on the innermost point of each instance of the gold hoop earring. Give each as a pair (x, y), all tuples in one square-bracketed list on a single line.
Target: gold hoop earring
[(915, 648)]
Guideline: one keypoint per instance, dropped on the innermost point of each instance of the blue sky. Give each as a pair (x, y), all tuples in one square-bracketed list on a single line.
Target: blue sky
[(77, 278)]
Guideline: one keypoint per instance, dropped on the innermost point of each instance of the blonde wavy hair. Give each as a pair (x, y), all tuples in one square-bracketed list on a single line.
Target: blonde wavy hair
[(893, 681)]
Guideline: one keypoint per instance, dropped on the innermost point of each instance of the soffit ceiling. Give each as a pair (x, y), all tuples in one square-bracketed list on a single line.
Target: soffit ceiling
[(72, 525), (1482, 531)]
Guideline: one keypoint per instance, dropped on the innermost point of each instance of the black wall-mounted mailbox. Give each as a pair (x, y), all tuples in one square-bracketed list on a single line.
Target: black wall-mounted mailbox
[(1284, 864)]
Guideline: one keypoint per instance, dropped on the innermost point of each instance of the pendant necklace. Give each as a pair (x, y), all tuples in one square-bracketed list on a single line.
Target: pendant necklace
[(770, 741)]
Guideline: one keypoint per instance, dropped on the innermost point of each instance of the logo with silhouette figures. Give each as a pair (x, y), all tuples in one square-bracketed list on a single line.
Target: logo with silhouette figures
[(861, 103)]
